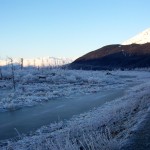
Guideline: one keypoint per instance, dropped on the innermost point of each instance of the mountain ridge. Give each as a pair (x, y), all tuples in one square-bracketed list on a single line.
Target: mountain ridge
[(114, 57), (133, 53), (39, 61)]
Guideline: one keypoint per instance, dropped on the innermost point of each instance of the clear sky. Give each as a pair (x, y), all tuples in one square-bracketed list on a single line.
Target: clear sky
[(68, 28)]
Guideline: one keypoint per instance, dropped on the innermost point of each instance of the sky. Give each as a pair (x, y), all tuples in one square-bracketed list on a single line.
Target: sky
[(68, 28)]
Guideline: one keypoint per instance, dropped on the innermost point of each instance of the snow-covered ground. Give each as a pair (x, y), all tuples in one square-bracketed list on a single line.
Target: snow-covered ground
[(105, 127), (37, 86)]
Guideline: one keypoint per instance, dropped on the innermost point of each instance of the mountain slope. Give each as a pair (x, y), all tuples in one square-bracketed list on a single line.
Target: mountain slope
[(115, 56), (133, 53)]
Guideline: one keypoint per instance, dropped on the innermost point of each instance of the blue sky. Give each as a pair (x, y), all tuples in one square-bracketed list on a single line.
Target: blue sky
[(68, 28)]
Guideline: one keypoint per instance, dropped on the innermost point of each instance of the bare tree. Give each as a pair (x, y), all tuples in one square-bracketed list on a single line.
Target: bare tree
[(42, 66), (12, 72), (38, 68), (43, 63), (1, 75), (6, 62), (21, 63)]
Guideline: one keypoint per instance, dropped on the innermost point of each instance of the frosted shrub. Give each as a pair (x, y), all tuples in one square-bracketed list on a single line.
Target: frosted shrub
[(57, 78), (10, 106), (92, 80), (5, 85), (29, 78), (6, 73), (86, 140), (71, 78), (49, 79)]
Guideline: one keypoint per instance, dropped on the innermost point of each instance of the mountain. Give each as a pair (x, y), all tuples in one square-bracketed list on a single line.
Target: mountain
[(128, 55), (47, 61), (141, 38), (38, 62)]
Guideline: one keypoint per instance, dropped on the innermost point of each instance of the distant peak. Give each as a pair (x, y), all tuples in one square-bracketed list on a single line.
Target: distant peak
[(141, 38)]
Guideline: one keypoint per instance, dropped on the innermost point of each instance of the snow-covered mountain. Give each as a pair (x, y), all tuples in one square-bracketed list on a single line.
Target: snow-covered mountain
[(47, 61), (38, 62), (141, 38)]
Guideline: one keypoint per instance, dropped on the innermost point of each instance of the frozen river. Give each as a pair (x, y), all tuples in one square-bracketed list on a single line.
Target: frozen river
[(29, 119)]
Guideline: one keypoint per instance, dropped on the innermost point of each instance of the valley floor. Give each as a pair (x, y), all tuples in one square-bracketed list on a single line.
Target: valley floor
[(110, 126)]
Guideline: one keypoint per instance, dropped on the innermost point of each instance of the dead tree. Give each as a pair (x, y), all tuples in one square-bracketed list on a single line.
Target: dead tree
[(1, 75), (12, 72), (42, 66), (21, 63)]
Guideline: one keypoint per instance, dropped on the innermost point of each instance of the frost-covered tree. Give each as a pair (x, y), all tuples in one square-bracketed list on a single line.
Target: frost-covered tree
[(12, 72), (21, 63), (1, 75)]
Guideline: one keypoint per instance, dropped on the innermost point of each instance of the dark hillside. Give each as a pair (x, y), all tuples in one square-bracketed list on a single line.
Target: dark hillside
[(114, 57)]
